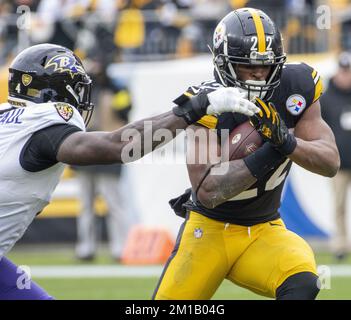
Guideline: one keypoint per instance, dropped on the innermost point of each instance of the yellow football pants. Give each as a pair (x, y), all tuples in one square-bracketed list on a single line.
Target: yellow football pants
[(259, 258)]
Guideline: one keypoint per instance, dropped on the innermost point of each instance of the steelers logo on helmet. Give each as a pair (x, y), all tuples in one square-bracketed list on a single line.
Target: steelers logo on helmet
[(219, 34), (296, 104)]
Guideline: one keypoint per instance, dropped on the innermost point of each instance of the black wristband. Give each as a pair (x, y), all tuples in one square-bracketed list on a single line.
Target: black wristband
[(288, 146), (192, 109), (263, 160)]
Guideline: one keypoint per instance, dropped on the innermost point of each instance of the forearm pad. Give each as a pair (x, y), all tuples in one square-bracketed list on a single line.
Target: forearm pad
[(193, 109), (263, 160)]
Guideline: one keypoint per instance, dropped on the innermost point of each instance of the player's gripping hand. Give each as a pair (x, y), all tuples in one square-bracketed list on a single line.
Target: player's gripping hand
[(214, 102), (273, 128), (230, 100)]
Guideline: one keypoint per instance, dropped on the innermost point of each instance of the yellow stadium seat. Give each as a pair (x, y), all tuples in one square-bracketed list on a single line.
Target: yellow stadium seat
[(3, 84), (130, 30)]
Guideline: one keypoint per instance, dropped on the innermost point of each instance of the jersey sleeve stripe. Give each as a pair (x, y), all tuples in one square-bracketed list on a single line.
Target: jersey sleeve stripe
[(314, 74), (318, 90), (208, 122), (188, 94), (316, 79)]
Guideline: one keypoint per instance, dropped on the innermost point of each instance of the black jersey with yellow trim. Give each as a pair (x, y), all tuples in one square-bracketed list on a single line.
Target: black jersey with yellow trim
[(300, 87)]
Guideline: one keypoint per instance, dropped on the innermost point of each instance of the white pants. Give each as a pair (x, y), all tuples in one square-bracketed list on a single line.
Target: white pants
[(119, 220), (340, 183)]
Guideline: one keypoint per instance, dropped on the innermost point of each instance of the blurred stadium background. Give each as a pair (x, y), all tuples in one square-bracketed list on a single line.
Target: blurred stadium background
[(157, 48)]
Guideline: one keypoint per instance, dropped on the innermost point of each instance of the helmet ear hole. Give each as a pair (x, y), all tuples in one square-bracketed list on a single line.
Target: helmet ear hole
[(48, 95), (220, 61)]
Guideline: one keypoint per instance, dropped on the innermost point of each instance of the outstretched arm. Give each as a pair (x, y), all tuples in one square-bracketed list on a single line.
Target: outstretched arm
[(135, 140), (83, 148)]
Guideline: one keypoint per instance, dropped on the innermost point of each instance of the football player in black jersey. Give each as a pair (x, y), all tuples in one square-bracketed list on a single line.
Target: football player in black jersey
[(233, 228)]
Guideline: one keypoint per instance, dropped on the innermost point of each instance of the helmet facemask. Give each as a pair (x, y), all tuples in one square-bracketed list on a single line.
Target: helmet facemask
[(225, 66), (81, 93)]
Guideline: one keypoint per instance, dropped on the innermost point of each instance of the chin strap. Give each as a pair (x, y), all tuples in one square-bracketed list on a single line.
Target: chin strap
[(254, 90)]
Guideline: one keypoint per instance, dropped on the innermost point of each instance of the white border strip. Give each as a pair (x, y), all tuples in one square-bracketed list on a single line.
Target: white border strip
[(107, 271)]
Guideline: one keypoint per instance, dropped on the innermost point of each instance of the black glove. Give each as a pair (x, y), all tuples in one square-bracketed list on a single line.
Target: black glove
[(192, 109), (272, 128), (177, 204)]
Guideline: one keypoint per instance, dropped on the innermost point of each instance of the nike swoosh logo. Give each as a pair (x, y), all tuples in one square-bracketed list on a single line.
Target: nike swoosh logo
[(275, 224), (196, 91)]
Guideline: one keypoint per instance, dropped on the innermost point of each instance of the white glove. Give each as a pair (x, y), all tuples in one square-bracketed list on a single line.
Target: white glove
[(230, 100)]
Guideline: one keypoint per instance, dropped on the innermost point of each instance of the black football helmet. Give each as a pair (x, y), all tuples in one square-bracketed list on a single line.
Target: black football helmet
[(51, 73), (248, 36)]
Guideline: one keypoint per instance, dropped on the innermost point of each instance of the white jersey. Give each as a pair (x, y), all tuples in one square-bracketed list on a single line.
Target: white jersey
[(23, 194)]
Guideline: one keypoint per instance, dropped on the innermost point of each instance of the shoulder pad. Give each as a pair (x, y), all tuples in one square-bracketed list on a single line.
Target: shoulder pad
[(60, 112), (301, 79)]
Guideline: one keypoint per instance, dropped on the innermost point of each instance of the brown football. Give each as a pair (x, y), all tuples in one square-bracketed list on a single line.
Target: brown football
[(243, 140)]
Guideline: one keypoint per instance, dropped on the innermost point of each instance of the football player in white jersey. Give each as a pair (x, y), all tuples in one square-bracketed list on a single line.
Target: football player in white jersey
[(42, 129)]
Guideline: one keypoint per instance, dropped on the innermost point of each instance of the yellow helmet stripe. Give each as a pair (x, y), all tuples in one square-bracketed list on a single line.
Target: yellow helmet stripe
[(259, 29)]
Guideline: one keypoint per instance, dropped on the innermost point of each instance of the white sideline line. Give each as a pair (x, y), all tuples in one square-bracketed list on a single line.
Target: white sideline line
[(106, 271)]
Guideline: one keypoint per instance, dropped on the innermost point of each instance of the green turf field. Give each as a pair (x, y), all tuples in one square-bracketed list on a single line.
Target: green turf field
[(141, 287)]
